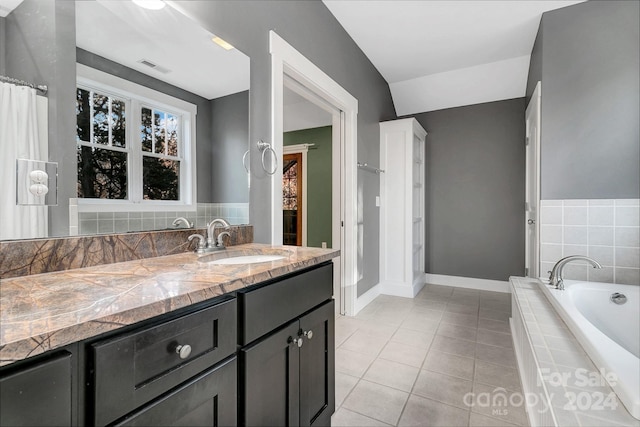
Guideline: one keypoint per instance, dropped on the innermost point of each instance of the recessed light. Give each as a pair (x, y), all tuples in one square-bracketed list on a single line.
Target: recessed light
[(222, 43), (150, 4)]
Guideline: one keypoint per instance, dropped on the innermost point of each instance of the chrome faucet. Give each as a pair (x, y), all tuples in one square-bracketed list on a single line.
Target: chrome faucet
[(211, 242), (182, 220), (555, 279), (220, 244)]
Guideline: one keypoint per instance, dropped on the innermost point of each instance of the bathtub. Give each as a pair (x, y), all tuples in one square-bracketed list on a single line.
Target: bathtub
[(608, 332)]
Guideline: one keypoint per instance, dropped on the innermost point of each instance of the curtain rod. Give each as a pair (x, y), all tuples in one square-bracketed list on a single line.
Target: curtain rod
[(41, 88)]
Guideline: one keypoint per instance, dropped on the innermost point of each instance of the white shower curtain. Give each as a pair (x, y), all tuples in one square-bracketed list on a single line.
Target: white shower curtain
[(19, 139)]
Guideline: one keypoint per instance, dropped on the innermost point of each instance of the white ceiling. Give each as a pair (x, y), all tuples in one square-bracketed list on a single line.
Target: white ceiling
[(166, 38), (443, 54), (6, 6), (299, 113)]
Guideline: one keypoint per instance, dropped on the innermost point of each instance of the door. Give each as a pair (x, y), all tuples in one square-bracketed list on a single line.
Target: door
[(292, 199), (317, 361), (270, 382), (532, 184)]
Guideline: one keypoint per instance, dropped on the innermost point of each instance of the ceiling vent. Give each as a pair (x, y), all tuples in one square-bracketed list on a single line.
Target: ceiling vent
[(154, 66)]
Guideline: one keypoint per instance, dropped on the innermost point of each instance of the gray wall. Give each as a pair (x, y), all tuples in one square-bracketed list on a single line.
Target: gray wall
[(229, 141), (40, 48), (312, 30), (590, 101), (204, 149), (475, 178)]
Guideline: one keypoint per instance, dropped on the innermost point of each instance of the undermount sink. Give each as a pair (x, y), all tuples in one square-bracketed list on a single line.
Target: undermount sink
[(246, 259)]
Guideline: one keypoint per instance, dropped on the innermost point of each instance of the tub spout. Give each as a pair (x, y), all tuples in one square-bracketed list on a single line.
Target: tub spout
[(555, 279)]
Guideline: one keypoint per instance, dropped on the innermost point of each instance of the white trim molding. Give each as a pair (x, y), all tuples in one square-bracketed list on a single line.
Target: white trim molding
[(365, 299), (301, 149), (468, 282)]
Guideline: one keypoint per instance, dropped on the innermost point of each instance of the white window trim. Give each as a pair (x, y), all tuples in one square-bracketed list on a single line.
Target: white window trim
[(87, 76)]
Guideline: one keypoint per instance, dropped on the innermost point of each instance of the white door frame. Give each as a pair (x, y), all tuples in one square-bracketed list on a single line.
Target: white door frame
[(301, 149), (287, 60), (532, 178)]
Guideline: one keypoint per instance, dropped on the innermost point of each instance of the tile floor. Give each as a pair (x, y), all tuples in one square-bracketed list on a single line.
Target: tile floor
[(404, 361)]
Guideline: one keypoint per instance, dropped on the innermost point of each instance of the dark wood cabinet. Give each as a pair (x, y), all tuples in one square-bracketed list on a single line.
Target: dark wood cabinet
[(209, 399), (287, 376), (39, 393)]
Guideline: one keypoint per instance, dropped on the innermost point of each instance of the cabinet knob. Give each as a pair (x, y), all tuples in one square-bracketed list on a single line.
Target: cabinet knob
[(183, 351), (296, 341), (308, 334)]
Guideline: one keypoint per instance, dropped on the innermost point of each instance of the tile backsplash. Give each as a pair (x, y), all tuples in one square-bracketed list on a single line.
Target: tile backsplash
[(122, 222), (606, 230)]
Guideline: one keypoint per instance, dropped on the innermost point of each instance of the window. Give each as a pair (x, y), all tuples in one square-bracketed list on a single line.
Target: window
[(135, 145)]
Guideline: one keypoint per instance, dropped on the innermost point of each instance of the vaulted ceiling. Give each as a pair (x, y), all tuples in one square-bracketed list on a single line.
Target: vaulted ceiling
[(443, 54)]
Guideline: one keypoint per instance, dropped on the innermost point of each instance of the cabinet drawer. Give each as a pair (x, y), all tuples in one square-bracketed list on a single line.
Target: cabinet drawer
[(135, 368), (206, 400), (270, 306)]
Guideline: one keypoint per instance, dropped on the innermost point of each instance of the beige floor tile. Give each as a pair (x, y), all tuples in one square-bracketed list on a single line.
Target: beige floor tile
[(377, 329), (413, 338), (496, 305), (477, 420), (426, 313), (465, 299), (507, 413), (376, 401), (344, 384), (499, 376), (470, 309), (443, 388), (460, 319), (430, 304), (403, 353), (425, 412), (494, 325), (456, 331), (498, 355), (437, 289), (352, 363), (486, 313), (453, 346), (494, 338), (392, 374), (420, 325), (449, 364), (346, 418), (361, 342)]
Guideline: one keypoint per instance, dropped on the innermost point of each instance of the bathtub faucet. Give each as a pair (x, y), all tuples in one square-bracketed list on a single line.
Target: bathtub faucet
[(555, 279)]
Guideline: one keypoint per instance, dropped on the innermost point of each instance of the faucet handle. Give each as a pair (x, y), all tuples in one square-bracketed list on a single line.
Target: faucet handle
[(220, 238), (200, 246)]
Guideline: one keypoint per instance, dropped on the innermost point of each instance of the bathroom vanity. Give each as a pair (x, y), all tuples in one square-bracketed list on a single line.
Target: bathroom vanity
[(192, 343)]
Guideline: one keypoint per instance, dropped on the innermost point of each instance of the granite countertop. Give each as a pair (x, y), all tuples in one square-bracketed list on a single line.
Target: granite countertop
[(45, 311)]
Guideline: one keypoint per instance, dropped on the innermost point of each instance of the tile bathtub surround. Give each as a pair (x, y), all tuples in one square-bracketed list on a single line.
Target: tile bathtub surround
[(561, 364), (404, 361), (122, 222), (603, 229), (35, 256)]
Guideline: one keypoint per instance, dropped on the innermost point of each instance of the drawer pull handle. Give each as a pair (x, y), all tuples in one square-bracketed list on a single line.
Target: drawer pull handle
[(296, 341), (183, 351), (308, 334)]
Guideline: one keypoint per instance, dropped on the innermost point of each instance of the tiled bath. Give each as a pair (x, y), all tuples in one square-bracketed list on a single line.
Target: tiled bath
[(604, 229)]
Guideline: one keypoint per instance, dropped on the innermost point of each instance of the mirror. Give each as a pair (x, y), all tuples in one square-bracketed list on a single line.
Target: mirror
[(120, 45)]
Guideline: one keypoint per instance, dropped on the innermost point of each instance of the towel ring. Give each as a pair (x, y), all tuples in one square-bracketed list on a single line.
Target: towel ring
[(244, 160), (266, 147)]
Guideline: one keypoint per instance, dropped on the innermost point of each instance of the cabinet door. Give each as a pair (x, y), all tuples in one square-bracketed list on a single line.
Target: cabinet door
[(206, 400), (39, 395), (317, 366), (270, 380)]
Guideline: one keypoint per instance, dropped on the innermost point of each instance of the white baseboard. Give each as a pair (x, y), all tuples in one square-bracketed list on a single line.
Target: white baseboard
[(468, 282), (363, 300), (401, 290)]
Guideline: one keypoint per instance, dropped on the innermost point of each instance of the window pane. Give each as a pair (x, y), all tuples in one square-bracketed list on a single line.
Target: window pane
[(100, 119), (160, 178), (145, 130), (172, 135), (118, 123), (83, 116), (102, 174), (159, 122)]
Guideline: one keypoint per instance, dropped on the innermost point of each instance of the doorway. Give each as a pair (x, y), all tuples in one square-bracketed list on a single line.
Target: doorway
[(292, 209), (288, 63), (532, 185)]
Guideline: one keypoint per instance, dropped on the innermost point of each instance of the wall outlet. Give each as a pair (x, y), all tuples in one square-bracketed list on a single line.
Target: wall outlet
[(324, 245), (378, 201)]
